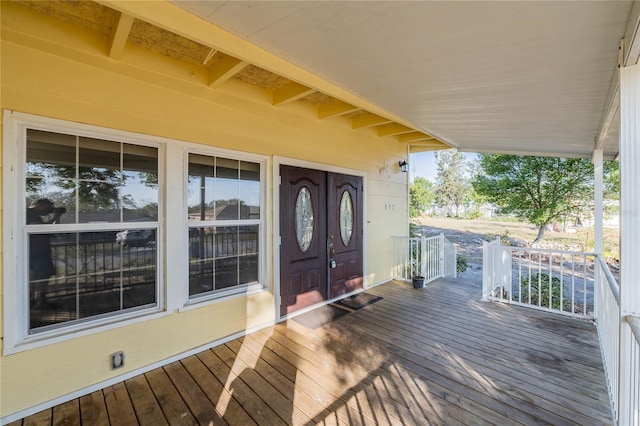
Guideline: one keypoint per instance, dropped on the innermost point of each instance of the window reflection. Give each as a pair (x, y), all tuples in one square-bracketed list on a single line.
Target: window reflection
[(222, 189), (226, 195), (200, 187), (96, 180), (78, 275), (86, 273), (249, 194), (222, 257)]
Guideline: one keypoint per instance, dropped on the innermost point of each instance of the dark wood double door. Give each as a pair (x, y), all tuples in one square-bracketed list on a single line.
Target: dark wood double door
[(321, 236)]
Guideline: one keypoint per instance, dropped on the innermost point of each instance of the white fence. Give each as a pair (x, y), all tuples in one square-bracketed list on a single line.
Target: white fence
[(552, 280), (431, 258), (574, 284)]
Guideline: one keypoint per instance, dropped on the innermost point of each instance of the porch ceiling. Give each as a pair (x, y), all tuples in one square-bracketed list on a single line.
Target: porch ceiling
[(524, 77)]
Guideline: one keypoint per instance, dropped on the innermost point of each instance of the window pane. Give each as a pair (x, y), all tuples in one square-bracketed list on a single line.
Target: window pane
[(98, 201), (99, 160), (139, 191), (55, 205), (50, 171), (200, 261), (346, 218), (248, 242), (249, 192), (200, 187), (248, 269), (227, 189), (99, 180), (304, 220), (80, 275), (226, 272), (222, 257)]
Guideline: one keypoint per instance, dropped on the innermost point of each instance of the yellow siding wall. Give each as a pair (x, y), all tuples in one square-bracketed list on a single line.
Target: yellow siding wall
[(80, 83)]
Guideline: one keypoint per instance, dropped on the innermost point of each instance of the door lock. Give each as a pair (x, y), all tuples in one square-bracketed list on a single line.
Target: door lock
[(332, 253)]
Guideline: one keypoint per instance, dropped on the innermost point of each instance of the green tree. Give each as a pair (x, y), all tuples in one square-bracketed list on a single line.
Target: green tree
[(611, 177), (420, 196), (452, 187), (540, 190)]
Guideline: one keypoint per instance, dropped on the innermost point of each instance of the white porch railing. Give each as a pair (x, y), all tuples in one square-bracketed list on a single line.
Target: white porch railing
[(551, 280), (431, 258), (607, 315), (629, 388), (574, 284)]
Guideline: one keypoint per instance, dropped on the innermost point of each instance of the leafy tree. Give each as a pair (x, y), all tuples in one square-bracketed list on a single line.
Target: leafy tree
[(452, 187), (540, 190), (611, 172), (97, 187), (421, 196)]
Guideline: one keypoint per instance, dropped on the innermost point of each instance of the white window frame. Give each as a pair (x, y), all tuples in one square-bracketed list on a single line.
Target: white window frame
[(16, 309), (244, 289), (172, 234)]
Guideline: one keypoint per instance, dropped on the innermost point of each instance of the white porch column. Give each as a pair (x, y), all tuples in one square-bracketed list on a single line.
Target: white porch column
[(598, 204), (630, 237)]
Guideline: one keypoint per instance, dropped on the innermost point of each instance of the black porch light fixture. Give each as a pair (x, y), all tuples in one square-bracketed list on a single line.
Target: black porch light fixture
[(404, 166)]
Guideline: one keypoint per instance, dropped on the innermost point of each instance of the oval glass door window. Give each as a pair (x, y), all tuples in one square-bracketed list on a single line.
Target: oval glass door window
[(346, 218), (304, 219)]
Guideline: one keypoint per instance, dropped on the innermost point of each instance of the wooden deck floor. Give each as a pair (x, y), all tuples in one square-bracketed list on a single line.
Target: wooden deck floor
[(416, 357)]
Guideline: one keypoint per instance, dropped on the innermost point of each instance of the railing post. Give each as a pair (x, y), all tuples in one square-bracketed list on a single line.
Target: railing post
[(506, 272), (441, 255), (423, 256), (485, 269)]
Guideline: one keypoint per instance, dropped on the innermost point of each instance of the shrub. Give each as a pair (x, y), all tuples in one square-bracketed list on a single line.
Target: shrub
[(461, 265), (540, 291)]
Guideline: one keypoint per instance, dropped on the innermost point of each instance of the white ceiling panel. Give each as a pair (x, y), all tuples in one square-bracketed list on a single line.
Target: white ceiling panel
[(506, 76)]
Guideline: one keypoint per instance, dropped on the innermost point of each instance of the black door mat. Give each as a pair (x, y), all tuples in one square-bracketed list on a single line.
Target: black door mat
[(358, 301), (320, 316)]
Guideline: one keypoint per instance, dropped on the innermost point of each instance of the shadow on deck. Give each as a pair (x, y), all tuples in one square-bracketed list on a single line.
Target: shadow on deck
[(432, 356)]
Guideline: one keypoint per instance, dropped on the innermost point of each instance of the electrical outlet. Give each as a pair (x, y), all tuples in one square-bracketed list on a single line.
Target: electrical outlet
[(117, 360)]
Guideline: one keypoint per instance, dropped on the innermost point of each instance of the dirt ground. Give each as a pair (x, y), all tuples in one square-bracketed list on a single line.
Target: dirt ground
[(469, 234)]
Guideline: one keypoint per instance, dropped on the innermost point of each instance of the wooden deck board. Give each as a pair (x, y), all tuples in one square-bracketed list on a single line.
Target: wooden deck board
[(119, 406), (93, 409), (171, 403), (476, 389), (67, 414), (468, 344), (493, 366), (148, 411), (432, 356), (201, 407), (226, 405)]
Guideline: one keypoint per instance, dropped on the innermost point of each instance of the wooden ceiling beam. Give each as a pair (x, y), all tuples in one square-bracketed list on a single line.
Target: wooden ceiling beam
[(335, 109), (224, 69), (291, 92), (414, 137), (394, 129), (369, 120), (120, 35)]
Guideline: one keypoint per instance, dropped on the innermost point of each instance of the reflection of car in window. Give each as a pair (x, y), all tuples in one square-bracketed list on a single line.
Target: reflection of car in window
[(135, 238)]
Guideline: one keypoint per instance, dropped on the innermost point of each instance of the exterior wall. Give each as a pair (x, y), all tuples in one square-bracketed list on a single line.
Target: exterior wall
[(74, 80)]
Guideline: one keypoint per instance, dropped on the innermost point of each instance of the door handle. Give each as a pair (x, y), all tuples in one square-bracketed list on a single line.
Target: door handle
[(332, 253)]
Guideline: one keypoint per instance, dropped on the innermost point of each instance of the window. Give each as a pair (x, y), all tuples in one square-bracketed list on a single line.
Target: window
[(90, 228), (90, 251), (224, 224)]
